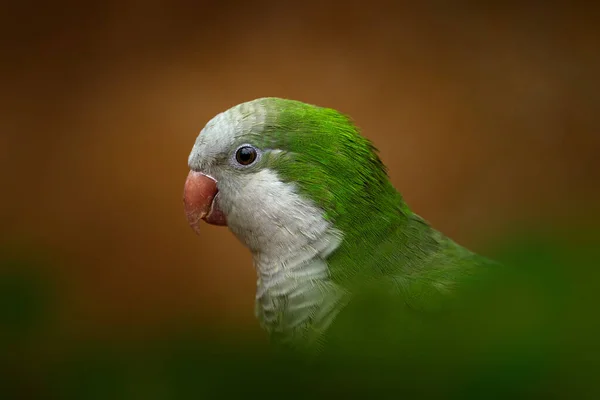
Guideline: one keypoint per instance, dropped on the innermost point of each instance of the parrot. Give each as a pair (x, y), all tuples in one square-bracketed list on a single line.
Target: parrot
[(308, 195)]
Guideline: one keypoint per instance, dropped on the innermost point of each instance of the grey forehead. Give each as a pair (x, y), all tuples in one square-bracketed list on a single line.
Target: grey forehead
[(221, 132)]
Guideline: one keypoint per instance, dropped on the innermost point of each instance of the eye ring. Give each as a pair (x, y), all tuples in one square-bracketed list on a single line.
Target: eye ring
[(246, 155)]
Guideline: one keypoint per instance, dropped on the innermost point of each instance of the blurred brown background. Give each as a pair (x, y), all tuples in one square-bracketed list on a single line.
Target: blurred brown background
[(487, 116)]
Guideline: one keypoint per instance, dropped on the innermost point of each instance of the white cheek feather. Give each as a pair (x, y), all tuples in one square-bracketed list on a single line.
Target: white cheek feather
[(270, 217)]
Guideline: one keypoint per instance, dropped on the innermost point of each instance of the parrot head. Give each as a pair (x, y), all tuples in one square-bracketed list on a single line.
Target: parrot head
[(275, 170)]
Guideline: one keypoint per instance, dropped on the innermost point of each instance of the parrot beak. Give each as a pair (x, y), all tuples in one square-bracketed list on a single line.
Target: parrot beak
[(199, 194)]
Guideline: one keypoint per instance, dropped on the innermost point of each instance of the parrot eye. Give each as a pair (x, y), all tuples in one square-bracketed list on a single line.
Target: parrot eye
[(245, 155)]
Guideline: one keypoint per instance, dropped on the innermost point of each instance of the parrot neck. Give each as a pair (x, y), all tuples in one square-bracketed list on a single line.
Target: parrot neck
[(295, 299)]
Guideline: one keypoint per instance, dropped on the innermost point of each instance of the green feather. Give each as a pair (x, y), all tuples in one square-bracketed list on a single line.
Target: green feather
[(329, 161)]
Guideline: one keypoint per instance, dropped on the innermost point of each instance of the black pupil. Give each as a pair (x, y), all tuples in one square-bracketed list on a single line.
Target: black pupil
[(246, 155)]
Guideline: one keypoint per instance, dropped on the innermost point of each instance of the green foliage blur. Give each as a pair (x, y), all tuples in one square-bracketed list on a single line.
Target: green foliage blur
[(530, 329)]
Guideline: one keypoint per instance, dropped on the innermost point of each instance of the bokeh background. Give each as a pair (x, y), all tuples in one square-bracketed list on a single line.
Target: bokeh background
[(486, 115)]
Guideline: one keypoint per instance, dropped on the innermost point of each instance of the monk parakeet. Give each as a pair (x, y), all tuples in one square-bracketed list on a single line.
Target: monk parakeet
[(308, 195)]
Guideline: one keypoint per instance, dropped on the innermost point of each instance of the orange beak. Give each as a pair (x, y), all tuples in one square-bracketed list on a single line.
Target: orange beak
[(199, 195)]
